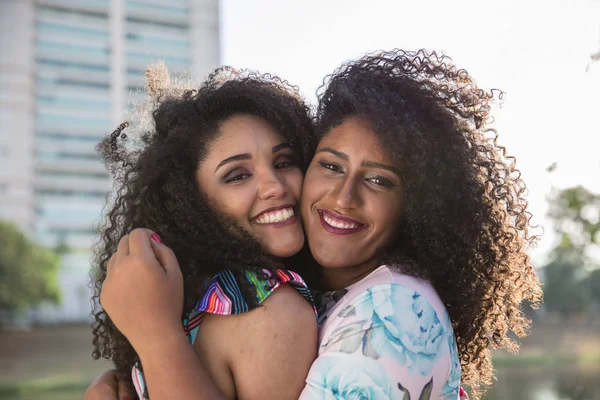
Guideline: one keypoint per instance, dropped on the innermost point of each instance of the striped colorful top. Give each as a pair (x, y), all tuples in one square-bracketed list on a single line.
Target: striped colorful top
[(224, 295)]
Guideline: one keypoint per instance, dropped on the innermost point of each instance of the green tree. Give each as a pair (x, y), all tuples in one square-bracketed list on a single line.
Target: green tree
[(28, 271), (575, 213), (572, 277)]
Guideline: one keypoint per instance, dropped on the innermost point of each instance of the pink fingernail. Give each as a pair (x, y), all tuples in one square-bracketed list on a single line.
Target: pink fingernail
[(156, 238), (462, 392)]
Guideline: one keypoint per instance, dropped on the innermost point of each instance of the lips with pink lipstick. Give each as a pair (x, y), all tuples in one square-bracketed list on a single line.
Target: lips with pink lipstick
[(276, 216), (339, 225)]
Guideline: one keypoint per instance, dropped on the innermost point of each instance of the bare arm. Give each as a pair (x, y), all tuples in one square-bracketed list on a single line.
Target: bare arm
[(143, 295), (268, 350), (173, 371)]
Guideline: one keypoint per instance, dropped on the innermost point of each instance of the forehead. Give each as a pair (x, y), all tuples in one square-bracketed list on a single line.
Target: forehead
[(245, 134), (354, 138)]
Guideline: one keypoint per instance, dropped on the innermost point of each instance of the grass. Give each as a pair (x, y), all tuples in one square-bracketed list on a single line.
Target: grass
[(58, 387), (49, 363), (545, 359), (55, 363)]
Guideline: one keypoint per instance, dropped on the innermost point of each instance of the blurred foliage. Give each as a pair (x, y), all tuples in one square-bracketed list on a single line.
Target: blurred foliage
[(572, 276), (28, 271)]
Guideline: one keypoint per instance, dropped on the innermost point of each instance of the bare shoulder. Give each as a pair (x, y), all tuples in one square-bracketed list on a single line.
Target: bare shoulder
[(285, 306), (282, 317), (276, 341)]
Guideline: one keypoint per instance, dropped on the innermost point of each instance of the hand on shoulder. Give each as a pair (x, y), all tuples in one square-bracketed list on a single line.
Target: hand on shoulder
[(143, 289)]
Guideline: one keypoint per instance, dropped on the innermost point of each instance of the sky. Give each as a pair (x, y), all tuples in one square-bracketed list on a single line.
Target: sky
[(538, 52)]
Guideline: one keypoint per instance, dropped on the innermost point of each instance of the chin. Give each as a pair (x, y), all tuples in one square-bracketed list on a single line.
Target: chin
[(329, 262), (285, 251)]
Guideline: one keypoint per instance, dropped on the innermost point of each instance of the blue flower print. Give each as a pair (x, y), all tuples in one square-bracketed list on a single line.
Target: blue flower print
[(352, 376), (392, 321), (451, 387)]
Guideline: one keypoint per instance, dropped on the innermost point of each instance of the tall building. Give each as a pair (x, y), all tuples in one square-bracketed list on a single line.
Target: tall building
[(68, 71)]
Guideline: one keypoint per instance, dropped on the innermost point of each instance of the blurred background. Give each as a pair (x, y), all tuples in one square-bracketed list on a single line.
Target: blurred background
[(69, 70)]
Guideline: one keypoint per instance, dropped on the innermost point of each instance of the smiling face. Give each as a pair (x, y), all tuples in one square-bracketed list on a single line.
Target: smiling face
[(251, 174), (352, 201)]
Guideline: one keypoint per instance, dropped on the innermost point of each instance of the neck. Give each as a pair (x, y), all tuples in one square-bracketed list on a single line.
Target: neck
[(342, 277)]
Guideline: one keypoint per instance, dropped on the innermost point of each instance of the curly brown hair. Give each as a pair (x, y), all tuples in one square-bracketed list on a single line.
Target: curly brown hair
[(155, 188), (466, 224)]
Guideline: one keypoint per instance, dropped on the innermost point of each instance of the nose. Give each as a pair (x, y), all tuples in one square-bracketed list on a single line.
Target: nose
[(271, 186), (346, 194)]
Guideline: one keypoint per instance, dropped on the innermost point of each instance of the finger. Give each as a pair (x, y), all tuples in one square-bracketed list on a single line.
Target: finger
[(165, 256), (123, 249), (140, 244)]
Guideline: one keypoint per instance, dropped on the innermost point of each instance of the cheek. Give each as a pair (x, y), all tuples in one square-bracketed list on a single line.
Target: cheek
[(390, 221), (234, 205), (314, 187), (294, 182), (386, 214)]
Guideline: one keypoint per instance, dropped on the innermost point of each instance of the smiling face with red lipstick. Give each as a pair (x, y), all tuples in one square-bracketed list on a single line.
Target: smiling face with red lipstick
[(352, 201), (251, 174)]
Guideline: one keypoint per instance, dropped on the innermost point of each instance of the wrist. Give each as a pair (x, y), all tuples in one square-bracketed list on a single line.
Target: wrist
[(161, 342)]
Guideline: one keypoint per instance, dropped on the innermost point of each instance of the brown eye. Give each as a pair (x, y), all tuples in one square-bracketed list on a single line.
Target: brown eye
[(285, 162), (381, 181), (237, 177), (237, 174), (330, 166)]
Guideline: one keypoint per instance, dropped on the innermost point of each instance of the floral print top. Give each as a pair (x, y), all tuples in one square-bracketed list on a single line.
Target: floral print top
[(388, 336)]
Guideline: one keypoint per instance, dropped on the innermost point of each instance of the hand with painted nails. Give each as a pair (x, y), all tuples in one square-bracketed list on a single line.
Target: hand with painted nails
[(143, 275)]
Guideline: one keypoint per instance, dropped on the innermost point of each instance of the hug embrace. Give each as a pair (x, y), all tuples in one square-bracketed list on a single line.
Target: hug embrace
[(374, 247)]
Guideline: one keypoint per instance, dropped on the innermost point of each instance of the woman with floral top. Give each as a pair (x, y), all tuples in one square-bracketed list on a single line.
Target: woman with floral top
[(417, 220)]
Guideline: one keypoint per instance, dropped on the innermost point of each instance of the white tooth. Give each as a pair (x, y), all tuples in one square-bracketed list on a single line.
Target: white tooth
[(287, 213), (279, 216), (339, 224), (291, 211)]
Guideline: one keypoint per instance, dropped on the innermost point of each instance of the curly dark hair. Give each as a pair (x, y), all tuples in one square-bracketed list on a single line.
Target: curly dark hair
[(155, 188), (466, 224)]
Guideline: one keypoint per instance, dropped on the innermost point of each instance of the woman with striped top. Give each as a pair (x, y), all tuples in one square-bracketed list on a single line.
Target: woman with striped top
[(218, 172)]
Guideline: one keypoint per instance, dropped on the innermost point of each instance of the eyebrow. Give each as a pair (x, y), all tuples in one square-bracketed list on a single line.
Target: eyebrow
[(373, 164), (370, 164), (237, 157), (339, 154), (248, 156), (280, 147)]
